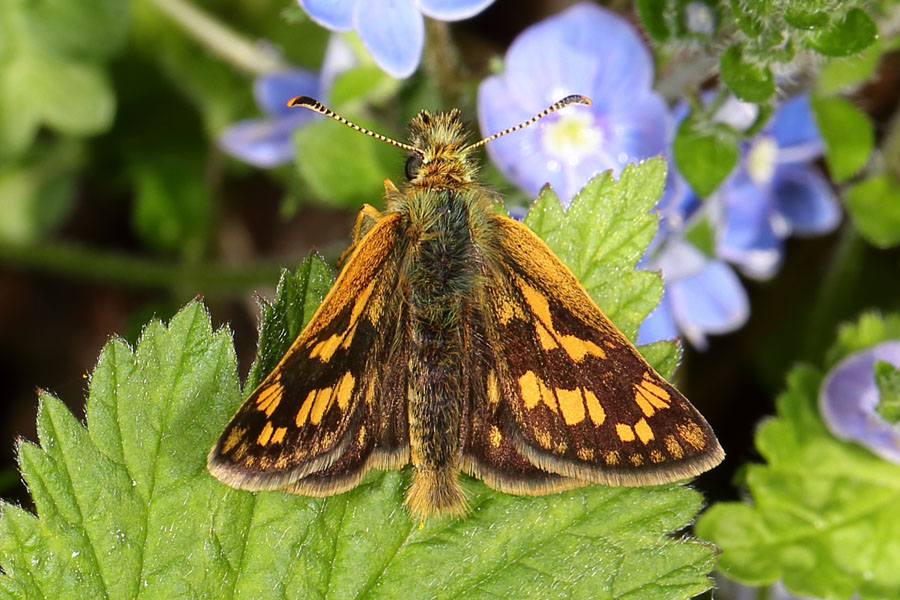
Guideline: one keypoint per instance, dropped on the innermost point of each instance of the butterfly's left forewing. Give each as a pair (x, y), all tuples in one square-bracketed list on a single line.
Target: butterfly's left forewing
[(319, 421), (575, 396)]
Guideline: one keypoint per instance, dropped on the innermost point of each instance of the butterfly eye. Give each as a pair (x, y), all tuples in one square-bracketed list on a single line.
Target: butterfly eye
[(413, 164)]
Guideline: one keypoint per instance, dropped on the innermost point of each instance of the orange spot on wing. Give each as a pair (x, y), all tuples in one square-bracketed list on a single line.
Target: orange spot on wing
[(323, 400), (265, 434), (625, 432), (571, 405), (643, 431), (303, 413), (595, 409)]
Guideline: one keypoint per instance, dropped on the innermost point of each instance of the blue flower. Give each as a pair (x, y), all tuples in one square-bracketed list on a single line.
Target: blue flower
[(584, 50), (393, 31), (849, 396), (267, 142), (701, 296), (775, 191)]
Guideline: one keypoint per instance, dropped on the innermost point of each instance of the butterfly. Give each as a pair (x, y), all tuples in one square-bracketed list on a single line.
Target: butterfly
[(454, 339)]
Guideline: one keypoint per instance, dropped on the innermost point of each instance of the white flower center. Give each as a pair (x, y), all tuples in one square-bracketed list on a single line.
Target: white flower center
[(761, 159), (572, 137)]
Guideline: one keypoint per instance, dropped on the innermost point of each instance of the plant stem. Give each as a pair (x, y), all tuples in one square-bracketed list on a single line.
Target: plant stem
[(202, 277), (220, 39)]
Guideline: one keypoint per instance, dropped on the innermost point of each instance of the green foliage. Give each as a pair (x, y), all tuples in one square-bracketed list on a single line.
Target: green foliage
[(874, 207), (887, 379), (847, 134), (52, 61), (36, 190), (822, 516), (125, 506), (341, 166), (748, 81), (853, 33), (705, 153)]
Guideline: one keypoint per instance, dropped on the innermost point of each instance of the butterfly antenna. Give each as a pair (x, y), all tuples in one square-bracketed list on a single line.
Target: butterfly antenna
[(567, 101), (316, 106)]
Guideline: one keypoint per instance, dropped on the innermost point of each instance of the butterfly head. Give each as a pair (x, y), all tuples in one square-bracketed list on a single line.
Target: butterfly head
[(441, 155)]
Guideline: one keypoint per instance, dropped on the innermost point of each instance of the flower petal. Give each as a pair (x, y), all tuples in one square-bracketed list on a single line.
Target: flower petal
[(638, 131), (659, 324), (805, 199), (712, 301), (747, 236), (336, 15), (393, 31), (795, 131), (263, 143), (273, 90), (453, 10), (519, 155), (848, 398), (583, 50)]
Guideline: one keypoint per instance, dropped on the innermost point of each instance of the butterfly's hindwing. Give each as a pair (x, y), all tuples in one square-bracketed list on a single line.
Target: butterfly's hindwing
[(320, 409), (488, 451), (583, 403)]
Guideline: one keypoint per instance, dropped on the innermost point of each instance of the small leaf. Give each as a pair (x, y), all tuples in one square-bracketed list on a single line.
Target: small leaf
[(854, 33), (341, 166), (38, 190), (705, 153), (93, 30), (847, 133), (74, 98), (746, 17), (748, 81), (842, 72), (887, 379), (653, 17), (823, 511), (874, 207), (806, 15)]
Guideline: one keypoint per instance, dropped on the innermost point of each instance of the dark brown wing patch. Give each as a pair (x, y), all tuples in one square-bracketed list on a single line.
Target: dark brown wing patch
[(318, 410)]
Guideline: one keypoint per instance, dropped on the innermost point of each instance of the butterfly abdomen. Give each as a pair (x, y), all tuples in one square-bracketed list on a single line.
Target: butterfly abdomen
[(440, 279)]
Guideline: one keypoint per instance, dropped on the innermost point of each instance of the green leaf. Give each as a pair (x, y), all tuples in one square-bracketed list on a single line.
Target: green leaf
[(750, 82), (874, 207), (74, 98), (653, 17), (823, 512), (887, 378), (172, 203), (854, 33), (296, 298), (93, 30), (746, 17), (841, 73), (38, 190), (602, 236), (806, 15), (367, 82), (125, 506), (705, 153), (847, 133), (341, 166)]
